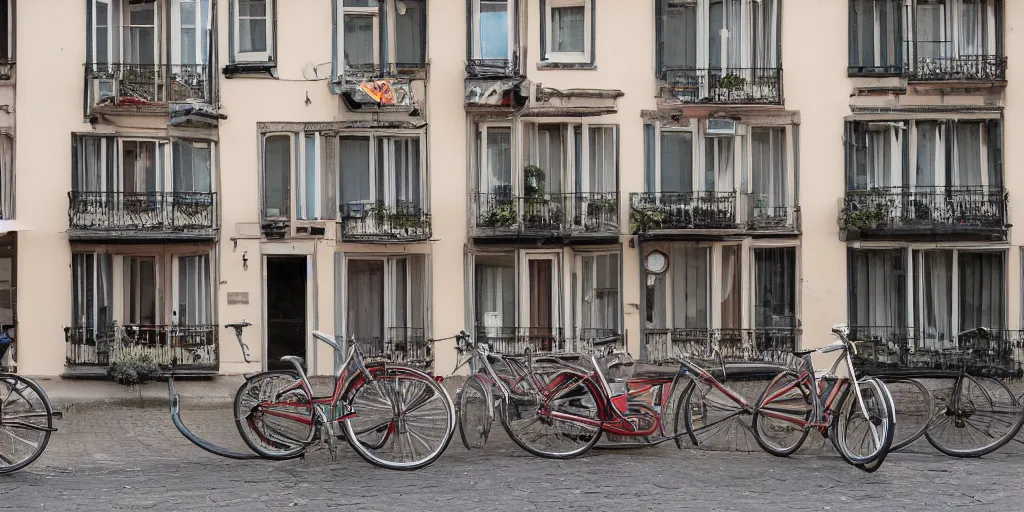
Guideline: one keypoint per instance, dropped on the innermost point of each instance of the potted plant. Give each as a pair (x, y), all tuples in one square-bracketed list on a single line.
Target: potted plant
[(533, 182)]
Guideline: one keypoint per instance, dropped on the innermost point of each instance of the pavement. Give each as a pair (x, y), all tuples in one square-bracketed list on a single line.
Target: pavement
[(113, 454)]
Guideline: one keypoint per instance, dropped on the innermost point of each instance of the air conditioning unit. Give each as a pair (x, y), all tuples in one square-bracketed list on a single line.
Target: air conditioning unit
[(309, 229), (103, 90), (721, 128)]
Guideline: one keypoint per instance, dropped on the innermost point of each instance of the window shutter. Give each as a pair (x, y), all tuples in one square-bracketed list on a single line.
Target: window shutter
[(88, 30), (659, 33)]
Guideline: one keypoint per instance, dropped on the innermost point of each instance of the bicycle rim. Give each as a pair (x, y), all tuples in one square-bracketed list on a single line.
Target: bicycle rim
[(914, 409), (25, 422), (860, 440), (710, 413), (476, 412), (969, 422), (559, 421), (784, 407), (273, 414), (403, 419)]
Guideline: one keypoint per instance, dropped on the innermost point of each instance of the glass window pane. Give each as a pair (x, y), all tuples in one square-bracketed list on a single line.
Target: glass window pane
[(567, 29), (492, 31), (252, 8), (981, 290), (933, 287), (276, 175), (359, 40), (676, 162), (309, 202), (366, 302), (495, 293), (410, 38), (690, 293), (679, 34), (355, 170), (878, 291), (775, 287), (497, 178), (361, 3)]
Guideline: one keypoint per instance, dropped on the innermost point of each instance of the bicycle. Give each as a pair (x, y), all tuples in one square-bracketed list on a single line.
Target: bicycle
[(26, 416), (378, 407), (793, 404)]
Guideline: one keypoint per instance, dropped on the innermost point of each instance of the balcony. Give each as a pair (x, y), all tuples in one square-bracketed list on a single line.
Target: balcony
[(515, 340), (741, 86), (965, 68), (362, 222), (407, 345), (403, 92), (672, 211), (142, 215), (907, 351), (900, 212), (121, 88), (194, 348), (767, 344), (584, 215)]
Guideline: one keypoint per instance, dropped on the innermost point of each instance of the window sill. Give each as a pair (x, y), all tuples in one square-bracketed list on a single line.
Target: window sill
[(251, 70), (548, 64)]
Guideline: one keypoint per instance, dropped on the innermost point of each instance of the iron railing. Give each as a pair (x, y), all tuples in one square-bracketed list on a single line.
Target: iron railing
[(191, 347), (652, 211), (768, 344), (762, 216), (488, 68), (924, 209), (583, 342), (407, 345), (724, 85), (149, 212), (380, 223), (570, 214), (884, 348), (515, 340), (123, 84), (962, 68)]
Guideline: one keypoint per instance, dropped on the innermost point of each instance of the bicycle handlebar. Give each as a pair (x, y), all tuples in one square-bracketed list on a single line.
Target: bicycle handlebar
[(328, 340)]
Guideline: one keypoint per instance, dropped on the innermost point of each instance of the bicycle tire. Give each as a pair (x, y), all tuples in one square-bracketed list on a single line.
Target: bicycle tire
[(586, 398), (474, 396), (680, 418), (979, 398), (256, 440), (801, 401), (700, 416), (383, 375), (914, 408), (44, 430), (879, 404)]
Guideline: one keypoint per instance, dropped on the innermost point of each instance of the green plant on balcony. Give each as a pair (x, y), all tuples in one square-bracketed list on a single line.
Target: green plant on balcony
[(646, 217), (501, 215), (533, 182), (381, 214), (732, 82), (869, 218)]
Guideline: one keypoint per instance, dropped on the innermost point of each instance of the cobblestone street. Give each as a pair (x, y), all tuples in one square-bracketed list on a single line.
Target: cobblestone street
[(124, 458)]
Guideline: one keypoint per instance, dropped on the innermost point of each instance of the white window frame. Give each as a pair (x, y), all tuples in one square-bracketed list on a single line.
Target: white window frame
[(475, 22), (303, 211), (524, 296), (578, 303), (390, 140), (157, 32), (197, 24), (568, 57), (389, 294), (267, 56), (369, 12), (741, 156), (110, 29)]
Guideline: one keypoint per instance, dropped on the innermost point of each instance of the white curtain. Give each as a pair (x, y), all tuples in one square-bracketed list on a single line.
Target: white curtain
[(875, 288), (725, 35), (931, 163), (602, 159), (495, 293), (719, 157), (884, 156), (931, 29), (600, 292), (567, 29), (690, 267), (971, 23), (934, 277), (499, 160), (731, 294), (366, 300), (551, 150), (969, 154), (359, 40), (194, 290), (765, 15), (769, 166)]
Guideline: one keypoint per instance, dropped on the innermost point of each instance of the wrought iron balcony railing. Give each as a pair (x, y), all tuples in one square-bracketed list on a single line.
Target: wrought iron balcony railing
[(192, 347), (492, 68), (761, 215), (655, 211), (140, 85), (376, 222), (143, 213), (515, 340), (725, 85), (580, 214), (769, 344), (928, 210), (407, 345), (886, 348), (963, 68)]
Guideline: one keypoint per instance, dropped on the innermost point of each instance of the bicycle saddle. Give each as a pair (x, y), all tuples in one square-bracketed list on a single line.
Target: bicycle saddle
[(297, 359)]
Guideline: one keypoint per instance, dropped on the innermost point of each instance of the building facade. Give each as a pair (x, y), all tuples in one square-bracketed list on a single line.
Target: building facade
[(541, 173)]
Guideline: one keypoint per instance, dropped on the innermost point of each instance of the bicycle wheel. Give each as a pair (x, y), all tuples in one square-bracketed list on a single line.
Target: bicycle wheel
[(708, 412), (403, 419), (273, 414), (969, 423), (914, 408), (476, 412), (560, 421), (864, 441), (781, 415), (26, 421)]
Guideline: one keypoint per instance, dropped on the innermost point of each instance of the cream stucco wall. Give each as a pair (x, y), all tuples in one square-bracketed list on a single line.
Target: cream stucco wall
[(48, 109)]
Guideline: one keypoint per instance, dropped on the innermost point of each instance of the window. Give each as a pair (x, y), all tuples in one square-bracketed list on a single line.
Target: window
[(138, 166), (92, 290), (360, 42), (140, 290), (569, 158), (495, 287), (140, 41), (192, 166), (7, 190), (956, 290), (254, 26), (192, 18), (875, 36), (493, 26), (391, 174), (567, 31), (7, 35), (769, 171), (277, 167), (726, 36), (878, 290), (308, 182), (194, 300), (598, 302), (495, 143), (130, 32), (386, 302), (775, 287)]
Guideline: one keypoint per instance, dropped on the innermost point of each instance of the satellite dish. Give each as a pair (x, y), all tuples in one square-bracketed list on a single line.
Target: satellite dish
[(309, 71)]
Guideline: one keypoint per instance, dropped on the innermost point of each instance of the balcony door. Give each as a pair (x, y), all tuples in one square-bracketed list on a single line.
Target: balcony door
[(597, 295), (366, 303), (495, 171), (956, 290), (141, 291), (495, 291), (878, 293), (541, 305), (774, 287), (386, 300), (141, 167)]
